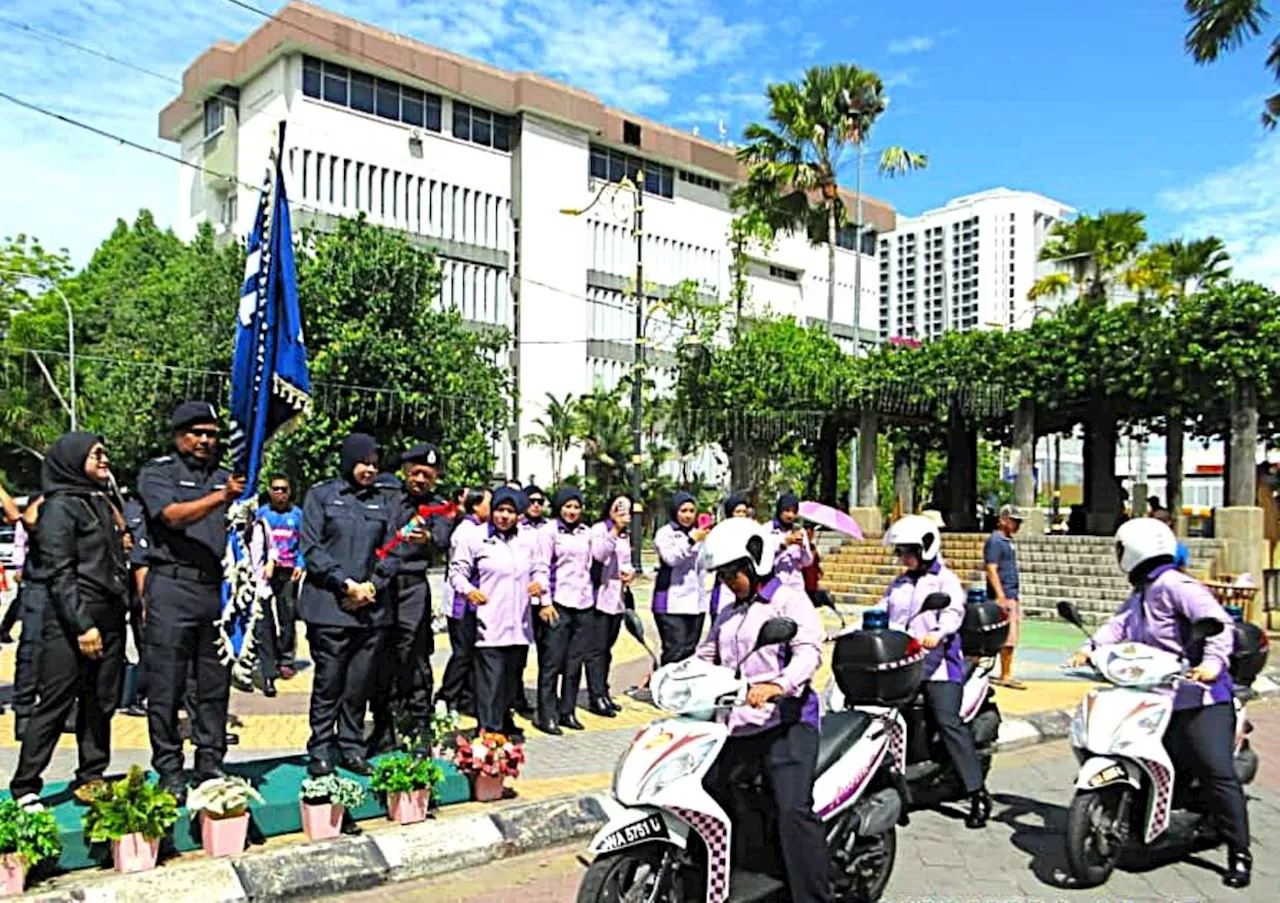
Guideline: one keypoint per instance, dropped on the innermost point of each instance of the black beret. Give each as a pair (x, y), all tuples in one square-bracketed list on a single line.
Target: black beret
[(422, 453), (190, 412)]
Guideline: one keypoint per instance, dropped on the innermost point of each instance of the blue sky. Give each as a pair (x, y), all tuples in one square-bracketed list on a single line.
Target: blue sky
[(1091, 102)]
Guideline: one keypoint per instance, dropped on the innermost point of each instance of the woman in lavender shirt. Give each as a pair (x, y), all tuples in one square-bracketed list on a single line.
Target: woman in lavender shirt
[(1200, 738), (611, 573)]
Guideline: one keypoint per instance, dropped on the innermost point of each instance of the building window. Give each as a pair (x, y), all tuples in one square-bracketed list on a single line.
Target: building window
[(613, 166), (366, 94), (694, 179), (783, 273), (631, 134), (481, 126), (214, 114)]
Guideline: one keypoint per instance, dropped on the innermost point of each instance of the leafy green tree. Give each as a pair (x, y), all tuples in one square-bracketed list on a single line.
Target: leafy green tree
[(1220, 26), (793, 163), (1200, 263), (1094, 250), (556, 431)]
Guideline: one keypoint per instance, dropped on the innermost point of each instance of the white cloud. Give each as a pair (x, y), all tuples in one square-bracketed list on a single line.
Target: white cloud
[(914, 44), (1241, 205), (68, 187)]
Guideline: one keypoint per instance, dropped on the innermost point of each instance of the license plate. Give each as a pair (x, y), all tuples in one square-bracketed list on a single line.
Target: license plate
[(648, 828), (1107, 775)]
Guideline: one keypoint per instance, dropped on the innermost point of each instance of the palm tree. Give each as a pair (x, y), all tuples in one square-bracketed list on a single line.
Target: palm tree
[(1221, 26), (558, 425), (1198, 263), (1095, 251), (793, 164)]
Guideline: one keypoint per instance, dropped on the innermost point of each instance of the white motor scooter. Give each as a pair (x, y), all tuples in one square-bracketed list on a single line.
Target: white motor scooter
[(670, 842), (1126, 790)]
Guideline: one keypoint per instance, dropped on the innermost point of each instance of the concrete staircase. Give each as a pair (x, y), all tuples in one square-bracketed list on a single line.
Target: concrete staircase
[(1081, 569)]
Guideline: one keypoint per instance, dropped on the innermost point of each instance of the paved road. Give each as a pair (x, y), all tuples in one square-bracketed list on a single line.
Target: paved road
[(1018, 857)]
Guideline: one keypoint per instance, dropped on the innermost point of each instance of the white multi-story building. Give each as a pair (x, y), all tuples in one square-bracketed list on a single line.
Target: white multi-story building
[(966, 265), (479, 164)]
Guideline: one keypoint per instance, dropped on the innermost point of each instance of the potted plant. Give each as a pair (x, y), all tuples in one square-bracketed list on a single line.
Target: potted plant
[(131, 814), (407, 781), (445, 722), (324, 800), (223, 804), (27, 837), (488, 761)]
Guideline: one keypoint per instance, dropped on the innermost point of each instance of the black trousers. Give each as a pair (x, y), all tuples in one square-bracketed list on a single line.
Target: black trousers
[(789, 756), (679, 635), (30, 604), (604, 633), (67, 677), (346, 661), (562, 652), (498, 672), (404, 668), (182, 636), (284, 593), (457, 683), (13, 614), (1201, 742), (943, 698)]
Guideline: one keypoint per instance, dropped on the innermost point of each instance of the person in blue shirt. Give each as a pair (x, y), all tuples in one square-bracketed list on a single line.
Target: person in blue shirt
[(286, 569)]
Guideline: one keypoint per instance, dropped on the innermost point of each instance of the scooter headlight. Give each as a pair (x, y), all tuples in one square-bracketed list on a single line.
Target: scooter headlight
[(674, 695), (680, 766)]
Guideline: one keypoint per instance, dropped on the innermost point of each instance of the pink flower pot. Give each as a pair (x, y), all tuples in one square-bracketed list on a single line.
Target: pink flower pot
[(321, 821), (409, 808), (488, 788), (135, 853), (13, 875), (224, 836)]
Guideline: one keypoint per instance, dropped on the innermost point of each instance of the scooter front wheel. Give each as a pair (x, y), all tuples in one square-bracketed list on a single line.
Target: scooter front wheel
[(868, 874), (1097, 829), (642, 874)]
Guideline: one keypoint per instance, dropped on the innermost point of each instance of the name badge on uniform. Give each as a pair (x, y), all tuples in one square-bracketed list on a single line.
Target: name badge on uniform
[(188, 483)]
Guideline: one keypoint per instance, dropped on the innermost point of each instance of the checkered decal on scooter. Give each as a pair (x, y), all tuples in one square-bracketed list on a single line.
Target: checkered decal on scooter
[(1163, 780), (716, 837), (898, 744)]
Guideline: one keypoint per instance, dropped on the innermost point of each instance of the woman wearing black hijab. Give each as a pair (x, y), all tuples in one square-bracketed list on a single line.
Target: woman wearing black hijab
[(344, 522), (82, 561)]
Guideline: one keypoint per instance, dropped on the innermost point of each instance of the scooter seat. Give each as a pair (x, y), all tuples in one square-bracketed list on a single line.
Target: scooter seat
[(838, 733)]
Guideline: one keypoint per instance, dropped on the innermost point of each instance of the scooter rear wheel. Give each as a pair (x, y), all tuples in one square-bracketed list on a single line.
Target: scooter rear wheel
[(1097, 828), (869, 874), (634, 875)]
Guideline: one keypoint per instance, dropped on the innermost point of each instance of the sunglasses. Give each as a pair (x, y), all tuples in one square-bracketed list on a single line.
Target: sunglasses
[(99, 454), (279, 488), (535, 500), (204, 434)]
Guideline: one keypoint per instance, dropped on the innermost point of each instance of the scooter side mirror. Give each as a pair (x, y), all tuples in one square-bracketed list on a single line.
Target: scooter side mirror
[(935, 602), (1204, 628), (776, 631), (1068, 613)]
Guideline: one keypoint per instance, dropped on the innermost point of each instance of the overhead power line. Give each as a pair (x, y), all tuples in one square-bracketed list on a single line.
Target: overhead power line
[(53, 36)]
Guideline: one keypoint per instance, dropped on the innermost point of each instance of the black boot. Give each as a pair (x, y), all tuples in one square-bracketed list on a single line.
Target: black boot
[(1239, 869), (979, 809)]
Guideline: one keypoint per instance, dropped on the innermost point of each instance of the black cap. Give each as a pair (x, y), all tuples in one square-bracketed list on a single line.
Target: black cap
[(190, 412), (422, 453)]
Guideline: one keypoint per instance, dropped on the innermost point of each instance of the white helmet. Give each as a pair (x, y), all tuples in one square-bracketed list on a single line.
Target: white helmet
[(918, 531), (1142, 539), (739, 539)]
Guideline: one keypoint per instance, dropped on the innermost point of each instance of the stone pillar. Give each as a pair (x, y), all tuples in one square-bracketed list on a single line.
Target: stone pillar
[(903, 489), (1244, 548), (1101, 489), (1024, 483), (962, 474), (867, 513), (1173, 441), (1242, 485)]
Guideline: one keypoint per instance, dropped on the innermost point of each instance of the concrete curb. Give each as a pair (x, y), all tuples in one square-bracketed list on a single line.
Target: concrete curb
[(390, 855)]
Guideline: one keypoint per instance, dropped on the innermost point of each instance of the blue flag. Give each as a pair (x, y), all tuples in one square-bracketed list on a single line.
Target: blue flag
[(270, 386)]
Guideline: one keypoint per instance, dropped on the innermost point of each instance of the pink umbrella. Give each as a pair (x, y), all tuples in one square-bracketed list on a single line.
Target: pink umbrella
[(831, 518)]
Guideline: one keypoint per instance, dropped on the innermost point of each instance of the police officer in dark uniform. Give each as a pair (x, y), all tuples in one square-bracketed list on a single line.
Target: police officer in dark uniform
[(135, 684), (344, 601), (404, 670), (186, 496)]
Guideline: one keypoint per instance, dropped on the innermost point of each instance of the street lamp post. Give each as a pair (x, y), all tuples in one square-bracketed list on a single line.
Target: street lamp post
[(71, 340), (639, 342)]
